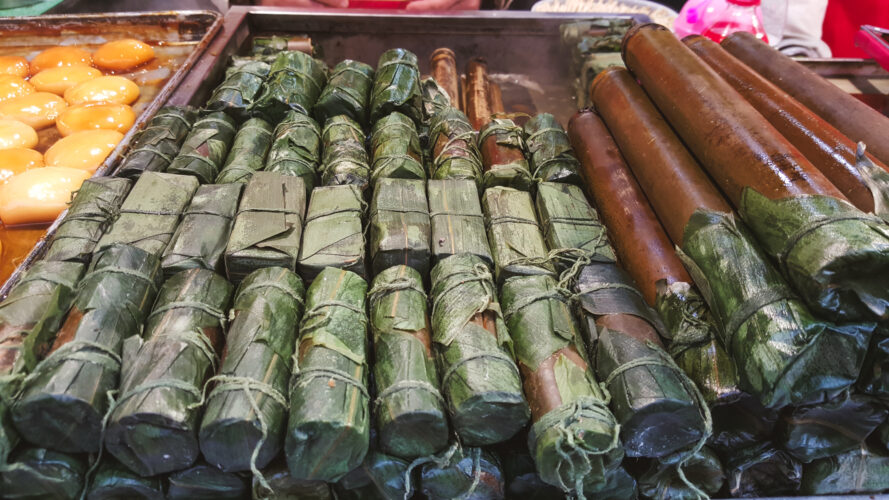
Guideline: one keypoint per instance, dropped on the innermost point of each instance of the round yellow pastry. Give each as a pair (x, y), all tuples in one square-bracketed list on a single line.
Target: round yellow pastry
[(60, 56), (84, 150), (15, 66), (39, 110), (58, 80), (17, 160), (119, 117), (38, 195), (14, 86), (15, 134), (121, 55), (105, 89)]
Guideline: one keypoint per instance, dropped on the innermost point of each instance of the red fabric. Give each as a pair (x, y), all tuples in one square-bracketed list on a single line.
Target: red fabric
[(843, 19)]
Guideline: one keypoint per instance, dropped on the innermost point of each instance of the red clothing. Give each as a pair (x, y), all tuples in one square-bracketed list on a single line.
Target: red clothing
[(845, 17)]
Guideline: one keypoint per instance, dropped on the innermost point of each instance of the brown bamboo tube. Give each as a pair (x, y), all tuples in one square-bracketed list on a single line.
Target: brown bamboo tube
[(495, 98), (671, 178), (855, 119), (623, 207), (444, 71), (826, 147), (733, 142), (478, 106)]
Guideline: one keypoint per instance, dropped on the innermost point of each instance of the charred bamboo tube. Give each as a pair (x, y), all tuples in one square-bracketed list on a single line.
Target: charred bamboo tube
[(478, 104), (825, 146), (495, 98), (444, 72), (658, 160), (610, 183), (852, 117)]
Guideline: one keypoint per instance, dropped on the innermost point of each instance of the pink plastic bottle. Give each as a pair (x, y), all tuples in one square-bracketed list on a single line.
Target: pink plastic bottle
[(739, 15), (696, 16)]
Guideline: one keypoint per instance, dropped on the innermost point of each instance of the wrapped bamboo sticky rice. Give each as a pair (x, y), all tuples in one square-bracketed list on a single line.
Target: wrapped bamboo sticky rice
[(470, 473), (571, 225), (443, 64), (205, 482), (550, 155), (205, 147), (397, 86), (458, 226), (345, 160), (435, 100), (113, 481), (379, 477), (477, 91), (520, 474), (282, 486), (35, 473), (153, 425), (246, 411), (502, 147), (248, 152), (295, 82), (347, 92), (517, 244), (862, 470), (296, 148), (453, 148), (762, 470), (399, 225), (158, 143), (333, 236), (703, 470), (328, 433), (395, 149), (239, 89)]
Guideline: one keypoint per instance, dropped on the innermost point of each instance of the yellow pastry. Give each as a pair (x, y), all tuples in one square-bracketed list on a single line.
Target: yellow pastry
[(58, 80), (38, 195), (15, 66), (121, 55), (14, 86), (105, 89), (17, 160), (60, 56), (15, 134), (84, 150), (119, 117), (39, 110)]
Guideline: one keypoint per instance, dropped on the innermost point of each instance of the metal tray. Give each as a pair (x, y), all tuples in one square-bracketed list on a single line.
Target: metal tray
[(179, 38)]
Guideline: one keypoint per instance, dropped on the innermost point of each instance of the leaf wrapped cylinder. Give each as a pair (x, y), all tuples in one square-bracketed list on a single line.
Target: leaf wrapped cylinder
[(294, 83), (571, 225), (64, 400), (516, 242), (467, 473), (762, 470), (861, 471), (619, 485), (205, 482), (328, 433), (480, 380), (703, 470), (399, 225), (38, 474), (397, 86), (205, 147), (345, 159), (113, 481), (435, 99), (458, 225), (296, 148), (395, 148), (247, 154), (333, 236), (503, 155), (520, 475), (240, 88), (347, 92), (285, 487), (153, 427), (379, 477), (550, 154), (453, 147), (158, 143)]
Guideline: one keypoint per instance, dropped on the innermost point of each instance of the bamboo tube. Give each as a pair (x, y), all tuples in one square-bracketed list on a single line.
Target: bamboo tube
[(477, 95), (444, 70)]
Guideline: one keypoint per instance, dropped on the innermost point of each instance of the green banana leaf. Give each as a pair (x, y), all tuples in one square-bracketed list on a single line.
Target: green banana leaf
[(345, 160), (205, 148), (453, 147), (296, 148), (516, 242), (501, 136), (347, 92), (435, 99), (284, 487), (158, 143), (271, 45), (520, 475), (571, 225), (248, 152), (560, 387), (860, 471), (399, 225), (268, 228), (619, 485), (703, 470), (205, 482), (409, 410), (41, 474), (246, 411), (113, 481), (333, 236), (458, 225), (395, 149), (480, 381), (153, 426), (784, 355), (9, 438), (379, 477), (328, 433), (240, 88), (151, 212), (741, 424), (64, 399), (294, 83), (465, 473), (762, 471), (874, 378), (91, 212), (397, 86), (550, 154)]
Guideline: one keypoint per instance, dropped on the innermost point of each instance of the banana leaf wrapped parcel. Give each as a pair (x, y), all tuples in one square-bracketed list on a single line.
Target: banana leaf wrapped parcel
[(296, 148), (347, 92), (158, 143), (333, 236), (282, 486), (328, 433), (88, 216), (271, 45), (874, 379), (399, 225), (38, 473), (409, 411), (205, 482), (480, 381), (113, 481), (619, 485), (435, 99), (294, 83), (467, 473), (246, 411), (453, 147), (205, 147), (861, 471), (702, 472), (397, 86), (153, 427), (345, 159), (239, 89), (784, 355), (248, 152), (571, 225), (268, 227), (502, 147), (521, 478), (458, 225), (379, 477), (516, 242), (564, 396), (762, 470), (395, 149), (151, 212), (550, 154), (63, 401)]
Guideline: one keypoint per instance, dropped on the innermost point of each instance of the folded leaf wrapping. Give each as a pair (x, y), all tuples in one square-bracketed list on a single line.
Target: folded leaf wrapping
[(205, 147), (151, 212), (153, 426), (328, 433), (550, 154), (703, 470), (516, 242), (333, 235), (64, 399), (520, 475), (397, 86), (619, 485), (502, 147), (38, 473), (246, 411), (399, 225), (454, 152), (479, 378), (200, 239), (458, 225), (563, 393), (784, 355), (88, 217), (345, 160), (247, 154), (435, 99), (113, 481), (347, 92), (862, 470), (205, 482), (158, 143), (296, 148), (379, 477), (762, 470), (294, 83), (285, 487), (240, 88), (395, 149), (467, 473), (874, 378), (268, 228), (571, 225)]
